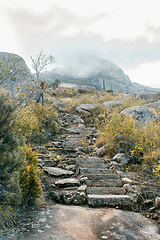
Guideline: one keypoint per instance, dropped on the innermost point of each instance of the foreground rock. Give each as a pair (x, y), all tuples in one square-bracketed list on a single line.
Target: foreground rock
[(60, 222)]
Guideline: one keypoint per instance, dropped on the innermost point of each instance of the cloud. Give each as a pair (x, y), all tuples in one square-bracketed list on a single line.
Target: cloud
[(71, 37), (55, 23)]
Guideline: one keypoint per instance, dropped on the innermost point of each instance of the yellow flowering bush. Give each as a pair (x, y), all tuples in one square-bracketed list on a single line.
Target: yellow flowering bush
[(124, 134), (30, 176)]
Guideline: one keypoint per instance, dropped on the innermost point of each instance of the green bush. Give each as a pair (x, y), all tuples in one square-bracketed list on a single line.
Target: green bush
[(36, 122), (123, 134), (10, 165), (30, 176)]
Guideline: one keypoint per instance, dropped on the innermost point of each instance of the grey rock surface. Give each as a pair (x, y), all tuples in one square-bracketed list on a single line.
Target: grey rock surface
[(113, 103), (67, 182), (147, 96), (121, 158), (153, 104), (142, 114), (53, 171), (84, 88), (87, 107)]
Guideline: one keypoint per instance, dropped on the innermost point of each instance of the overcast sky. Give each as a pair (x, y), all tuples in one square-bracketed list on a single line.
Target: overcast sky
[(126, 32)]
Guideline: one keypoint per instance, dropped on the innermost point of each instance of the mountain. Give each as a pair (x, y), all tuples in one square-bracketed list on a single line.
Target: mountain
[(99, 73)]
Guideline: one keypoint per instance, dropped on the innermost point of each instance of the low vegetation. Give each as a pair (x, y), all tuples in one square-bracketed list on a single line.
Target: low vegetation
[(35, 122), (23, 127), (20, 184)]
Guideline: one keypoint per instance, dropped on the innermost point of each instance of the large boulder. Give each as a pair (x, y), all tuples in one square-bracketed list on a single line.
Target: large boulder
[(142, 114)]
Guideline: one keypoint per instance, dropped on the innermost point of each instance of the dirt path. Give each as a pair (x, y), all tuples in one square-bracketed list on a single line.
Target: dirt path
[(64, 222)]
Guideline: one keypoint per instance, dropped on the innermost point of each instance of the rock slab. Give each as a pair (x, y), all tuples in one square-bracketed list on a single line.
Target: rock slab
[(57, 172)]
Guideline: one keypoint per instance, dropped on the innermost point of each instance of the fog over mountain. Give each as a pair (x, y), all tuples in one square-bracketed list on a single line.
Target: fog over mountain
[(90, 70)]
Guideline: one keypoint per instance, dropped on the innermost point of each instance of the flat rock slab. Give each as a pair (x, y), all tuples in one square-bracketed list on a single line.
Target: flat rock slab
[(105, 190), (108, 200), (56, 172), (94, 165), (104, 183), (95, 171), (68, 182), (113, 103), (96, 176)]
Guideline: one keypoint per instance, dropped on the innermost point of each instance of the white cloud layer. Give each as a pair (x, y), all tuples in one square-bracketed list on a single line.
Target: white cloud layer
[(125, 32)]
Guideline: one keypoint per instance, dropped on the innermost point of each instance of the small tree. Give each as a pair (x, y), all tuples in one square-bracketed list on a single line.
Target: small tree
[(41, 61)]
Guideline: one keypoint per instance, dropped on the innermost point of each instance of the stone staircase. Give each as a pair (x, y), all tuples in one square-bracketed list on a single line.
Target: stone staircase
[(100, 185), (103, 187)]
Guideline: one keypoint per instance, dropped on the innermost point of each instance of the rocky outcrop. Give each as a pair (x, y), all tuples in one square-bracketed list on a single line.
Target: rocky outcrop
[(102, 74), (15, 72), (17, 79)]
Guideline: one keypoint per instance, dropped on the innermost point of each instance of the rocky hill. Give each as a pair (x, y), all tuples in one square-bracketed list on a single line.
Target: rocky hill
[(101, 74), (16, 78), (14, 72)]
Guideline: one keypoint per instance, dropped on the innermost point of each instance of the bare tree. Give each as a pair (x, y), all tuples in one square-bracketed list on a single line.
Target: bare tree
[(41, 62)]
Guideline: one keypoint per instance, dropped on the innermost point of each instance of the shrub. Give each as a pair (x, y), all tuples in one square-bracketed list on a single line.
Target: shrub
[(30, 176), (10, 165), (123, 134), (36, 122)]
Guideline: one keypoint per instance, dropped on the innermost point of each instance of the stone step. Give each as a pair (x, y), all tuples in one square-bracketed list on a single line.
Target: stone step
[(104, 183), (108, 200), (95, 171), (90, 160), (93, 165), (106, 190), (90, 166), (102, 176)]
